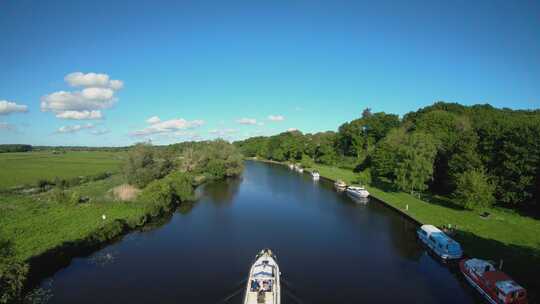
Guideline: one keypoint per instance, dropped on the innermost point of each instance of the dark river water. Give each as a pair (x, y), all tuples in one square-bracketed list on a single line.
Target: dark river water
[(330, 250)]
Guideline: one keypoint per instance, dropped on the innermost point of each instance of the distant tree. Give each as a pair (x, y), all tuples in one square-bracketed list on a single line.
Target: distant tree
[(358, 137), (473, 190), (366, 113), (15, 148), (143, 165)]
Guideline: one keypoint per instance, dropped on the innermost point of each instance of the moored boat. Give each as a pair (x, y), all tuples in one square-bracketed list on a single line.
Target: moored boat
[(495, 286), (440, 243), (299, 168), (291, 166), (340, 185), (315, 174), (358, 191), (263, 284)]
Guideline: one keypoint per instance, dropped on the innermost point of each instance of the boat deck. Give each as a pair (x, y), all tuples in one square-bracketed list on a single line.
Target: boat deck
[(253, 297)]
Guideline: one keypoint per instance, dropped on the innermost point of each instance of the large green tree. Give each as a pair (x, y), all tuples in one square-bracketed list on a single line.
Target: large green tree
[(414, 162), (473, 190)]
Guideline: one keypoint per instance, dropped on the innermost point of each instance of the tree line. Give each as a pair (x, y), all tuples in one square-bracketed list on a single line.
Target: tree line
[(478, 154), (15, 148)]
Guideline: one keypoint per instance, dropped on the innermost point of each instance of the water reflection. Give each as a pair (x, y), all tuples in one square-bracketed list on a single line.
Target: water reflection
[(222, 193), (358, 200)]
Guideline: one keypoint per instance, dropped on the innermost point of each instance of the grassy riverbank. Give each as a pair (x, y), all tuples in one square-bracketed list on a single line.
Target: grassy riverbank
[(504, 235), (66, 215)]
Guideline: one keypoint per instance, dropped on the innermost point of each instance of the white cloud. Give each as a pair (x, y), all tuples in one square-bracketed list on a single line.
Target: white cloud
[(292, 129), (276, 118), (247, 121), (79, 115), (79, 79), (74, 128), (77, 101), (153, 120), (116, 84), (168, 126), (98, 93), (8, 107)]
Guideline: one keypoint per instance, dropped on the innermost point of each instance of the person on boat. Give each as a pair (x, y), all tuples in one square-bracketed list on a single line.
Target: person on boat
[(254, 285)]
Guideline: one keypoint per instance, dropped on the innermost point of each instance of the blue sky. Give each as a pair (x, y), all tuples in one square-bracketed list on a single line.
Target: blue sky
[(203, 67)]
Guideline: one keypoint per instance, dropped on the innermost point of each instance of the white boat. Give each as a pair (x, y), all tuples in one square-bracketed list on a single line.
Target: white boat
[(440, 243), (315, 174), (340, 185), (291, 166), (263, 286), (357, 191), (298, 168)]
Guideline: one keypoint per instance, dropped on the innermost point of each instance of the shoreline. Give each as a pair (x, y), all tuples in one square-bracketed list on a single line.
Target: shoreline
[(502, 237), (56, 258), (380, 199)]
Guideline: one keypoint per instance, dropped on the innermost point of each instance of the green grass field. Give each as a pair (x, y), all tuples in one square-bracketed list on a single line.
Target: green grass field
[(35, 223), (23, 169)]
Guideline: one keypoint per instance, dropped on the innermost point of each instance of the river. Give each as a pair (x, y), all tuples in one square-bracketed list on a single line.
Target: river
[(330, 250)]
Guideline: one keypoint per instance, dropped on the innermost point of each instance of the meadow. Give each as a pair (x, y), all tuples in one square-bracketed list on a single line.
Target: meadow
[(38, 222), (26, 169)]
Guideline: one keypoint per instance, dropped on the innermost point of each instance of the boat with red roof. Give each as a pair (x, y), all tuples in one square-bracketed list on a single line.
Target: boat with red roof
[(496, 286)]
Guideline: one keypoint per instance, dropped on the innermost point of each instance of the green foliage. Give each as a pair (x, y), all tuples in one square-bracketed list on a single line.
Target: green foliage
[(474, 190), (158, 193), (182, 186), (144, 165), (358, 137), (307, 162), (364, 177), (15, 148), (57, 195), (217, 159), (12, 273), (384, 158), (414, 162), (75, 198), (505, 142)]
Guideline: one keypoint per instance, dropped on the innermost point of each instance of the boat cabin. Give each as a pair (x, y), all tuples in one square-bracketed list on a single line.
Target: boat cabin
[(493, 284), (440, 243)]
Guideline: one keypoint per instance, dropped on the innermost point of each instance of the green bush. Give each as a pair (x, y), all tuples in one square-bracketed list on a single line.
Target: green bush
[(43, 183), (474, 190), (364, 177), (182, 185), (75, 198), (307, 162), (57, 195), (12, 273), (144, 165)]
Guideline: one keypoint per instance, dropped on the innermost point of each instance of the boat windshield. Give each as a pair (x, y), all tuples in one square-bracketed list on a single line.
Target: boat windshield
[(453, 247)]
